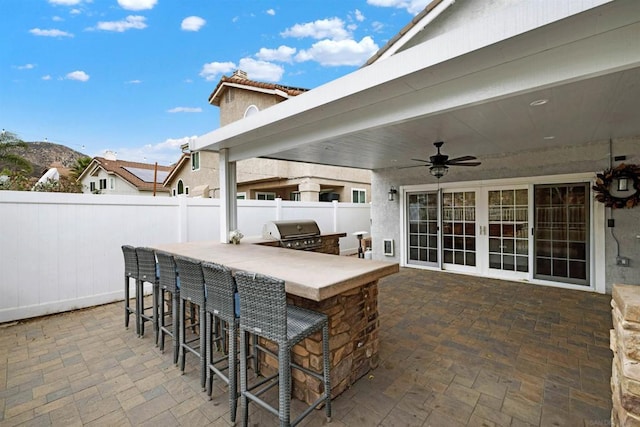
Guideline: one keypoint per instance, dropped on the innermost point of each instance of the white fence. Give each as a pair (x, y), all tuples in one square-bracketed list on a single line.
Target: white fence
[(61, 251)]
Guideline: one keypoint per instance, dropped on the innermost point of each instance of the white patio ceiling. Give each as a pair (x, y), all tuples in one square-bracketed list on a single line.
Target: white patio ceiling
[(587, 66)]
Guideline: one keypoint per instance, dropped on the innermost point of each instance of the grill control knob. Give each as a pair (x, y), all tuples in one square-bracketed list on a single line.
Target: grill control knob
[(288, 245)]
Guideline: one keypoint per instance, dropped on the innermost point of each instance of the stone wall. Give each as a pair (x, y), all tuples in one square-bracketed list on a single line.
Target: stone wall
[(353, 342), (625, 344)]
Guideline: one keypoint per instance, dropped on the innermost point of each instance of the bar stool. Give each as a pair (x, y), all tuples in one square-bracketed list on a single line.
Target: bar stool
[(130, 272), (169, 284), (264, 312), (221, 305), (192, 290), (148, 272)]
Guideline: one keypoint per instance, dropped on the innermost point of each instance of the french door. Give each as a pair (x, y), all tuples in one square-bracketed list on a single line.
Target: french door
[(514, 231)]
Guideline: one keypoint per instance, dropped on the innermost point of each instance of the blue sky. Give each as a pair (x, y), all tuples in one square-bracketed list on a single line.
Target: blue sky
[(134, 76)]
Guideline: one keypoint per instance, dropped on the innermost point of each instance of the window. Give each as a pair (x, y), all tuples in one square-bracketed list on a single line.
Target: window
[(112, 183), (229, 95), (92, 186), (295, 196), (251, 110), (358, 195), (265, 196), (180, 187), (186, 190), (241, 196), (195, 161), (103, 184)]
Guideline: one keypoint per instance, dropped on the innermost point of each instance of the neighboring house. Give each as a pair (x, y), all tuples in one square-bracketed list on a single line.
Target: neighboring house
[(107, 175), (197, 175), (544, 93)]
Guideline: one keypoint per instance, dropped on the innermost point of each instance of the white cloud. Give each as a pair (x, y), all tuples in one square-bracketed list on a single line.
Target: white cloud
[(135, 22), (331, 53), (80, 76), (358, 15), (57, 19), (271, 12), (66, 2), (137, 4), (377, 26), (185, 110), (261, 70), (49, 33), (412, 6), (47, 77), (165, 153), (192, 23), (134, 82), (281, 54), (321, 29), (75, 11), (211, 70), (26, 67)]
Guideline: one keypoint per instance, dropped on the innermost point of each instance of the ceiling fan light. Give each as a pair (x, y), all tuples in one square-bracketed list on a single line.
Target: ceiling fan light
[(438, 171)]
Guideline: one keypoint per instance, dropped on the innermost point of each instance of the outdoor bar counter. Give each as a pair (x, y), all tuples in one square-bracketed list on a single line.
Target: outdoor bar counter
[(343, 287)]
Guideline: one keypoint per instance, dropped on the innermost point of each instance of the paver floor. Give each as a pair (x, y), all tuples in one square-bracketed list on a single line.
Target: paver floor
[(455, 350)]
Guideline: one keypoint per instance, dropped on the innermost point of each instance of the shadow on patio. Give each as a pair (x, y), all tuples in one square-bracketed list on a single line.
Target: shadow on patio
[(454, 350)]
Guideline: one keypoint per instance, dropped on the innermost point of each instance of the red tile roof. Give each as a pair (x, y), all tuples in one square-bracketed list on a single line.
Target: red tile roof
[(239, 78)]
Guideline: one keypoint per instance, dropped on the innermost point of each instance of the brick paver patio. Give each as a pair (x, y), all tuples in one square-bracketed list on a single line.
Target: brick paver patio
[(454, 350)]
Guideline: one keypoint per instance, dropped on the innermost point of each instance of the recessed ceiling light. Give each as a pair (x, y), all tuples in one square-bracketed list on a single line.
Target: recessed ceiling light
[(549, 137), (538, 102)]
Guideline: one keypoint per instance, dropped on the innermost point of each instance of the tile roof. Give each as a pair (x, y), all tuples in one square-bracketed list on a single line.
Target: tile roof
[(239, 78), (125, 170)]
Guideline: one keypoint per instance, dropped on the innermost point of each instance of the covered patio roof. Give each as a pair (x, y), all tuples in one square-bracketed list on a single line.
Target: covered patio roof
[(471, 87)]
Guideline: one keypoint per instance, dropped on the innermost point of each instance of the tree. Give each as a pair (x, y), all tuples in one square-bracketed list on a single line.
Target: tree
[(10, 162), (79, 166)]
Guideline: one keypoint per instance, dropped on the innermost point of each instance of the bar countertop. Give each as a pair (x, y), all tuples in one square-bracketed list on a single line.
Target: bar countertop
[(310, 275)]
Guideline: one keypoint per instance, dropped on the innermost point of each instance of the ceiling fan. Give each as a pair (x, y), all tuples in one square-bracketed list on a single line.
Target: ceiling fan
[(439, 163)]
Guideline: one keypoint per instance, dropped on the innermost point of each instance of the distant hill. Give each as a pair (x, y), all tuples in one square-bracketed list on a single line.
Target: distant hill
[(42, 154)]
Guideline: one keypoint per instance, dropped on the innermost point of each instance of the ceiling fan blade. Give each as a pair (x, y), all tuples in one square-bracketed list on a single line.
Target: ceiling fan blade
[(420, 160), (462, 159), (465, 164)]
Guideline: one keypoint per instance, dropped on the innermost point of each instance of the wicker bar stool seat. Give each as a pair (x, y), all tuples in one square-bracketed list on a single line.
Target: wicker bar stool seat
[(148, 273), (192, 290), (130, 272), (264, 312), (169, 286)]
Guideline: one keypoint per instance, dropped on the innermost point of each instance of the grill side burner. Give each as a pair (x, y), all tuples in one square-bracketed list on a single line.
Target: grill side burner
[(294, 234)]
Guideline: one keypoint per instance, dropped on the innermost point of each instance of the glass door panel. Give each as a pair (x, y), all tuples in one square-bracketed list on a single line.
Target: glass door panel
[(561, 233), (422, 210), (459, 228), (508, 229)]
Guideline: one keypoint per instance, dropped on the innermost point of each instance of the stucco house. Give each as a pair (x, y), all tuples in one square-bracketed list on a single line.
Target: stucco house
[(196, 173), (108, 175), (544, 94)]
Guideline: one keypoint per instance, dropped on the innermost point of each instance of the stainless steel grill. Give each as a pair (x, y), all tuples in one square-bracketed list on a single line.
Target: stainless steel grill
[(301, 234)]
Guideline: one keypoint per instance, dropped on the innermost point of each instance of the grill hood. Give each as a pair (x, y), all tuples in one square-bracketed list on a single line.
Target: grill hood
[(290, 229)]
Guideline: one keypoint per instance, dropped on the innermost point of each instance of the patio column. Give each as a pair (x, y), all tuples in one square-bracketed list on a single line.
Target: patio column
[(228, 199), (309, 191)]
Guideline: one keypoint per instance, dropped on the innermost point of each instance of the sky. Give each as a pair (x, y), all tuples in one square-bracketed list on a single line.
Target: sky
[(134, 76)]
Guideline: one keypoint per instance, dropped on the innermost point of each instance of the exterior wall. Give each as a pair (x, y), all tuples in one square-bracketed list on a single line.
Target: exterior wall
[(62, 251), (494, 20), (587, 158), (207, 174), (241, 99)]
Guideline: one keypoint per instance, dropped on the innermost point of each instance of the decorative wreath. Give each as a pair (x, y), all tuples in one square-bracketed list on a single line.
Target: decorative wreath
[(609, 176)]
